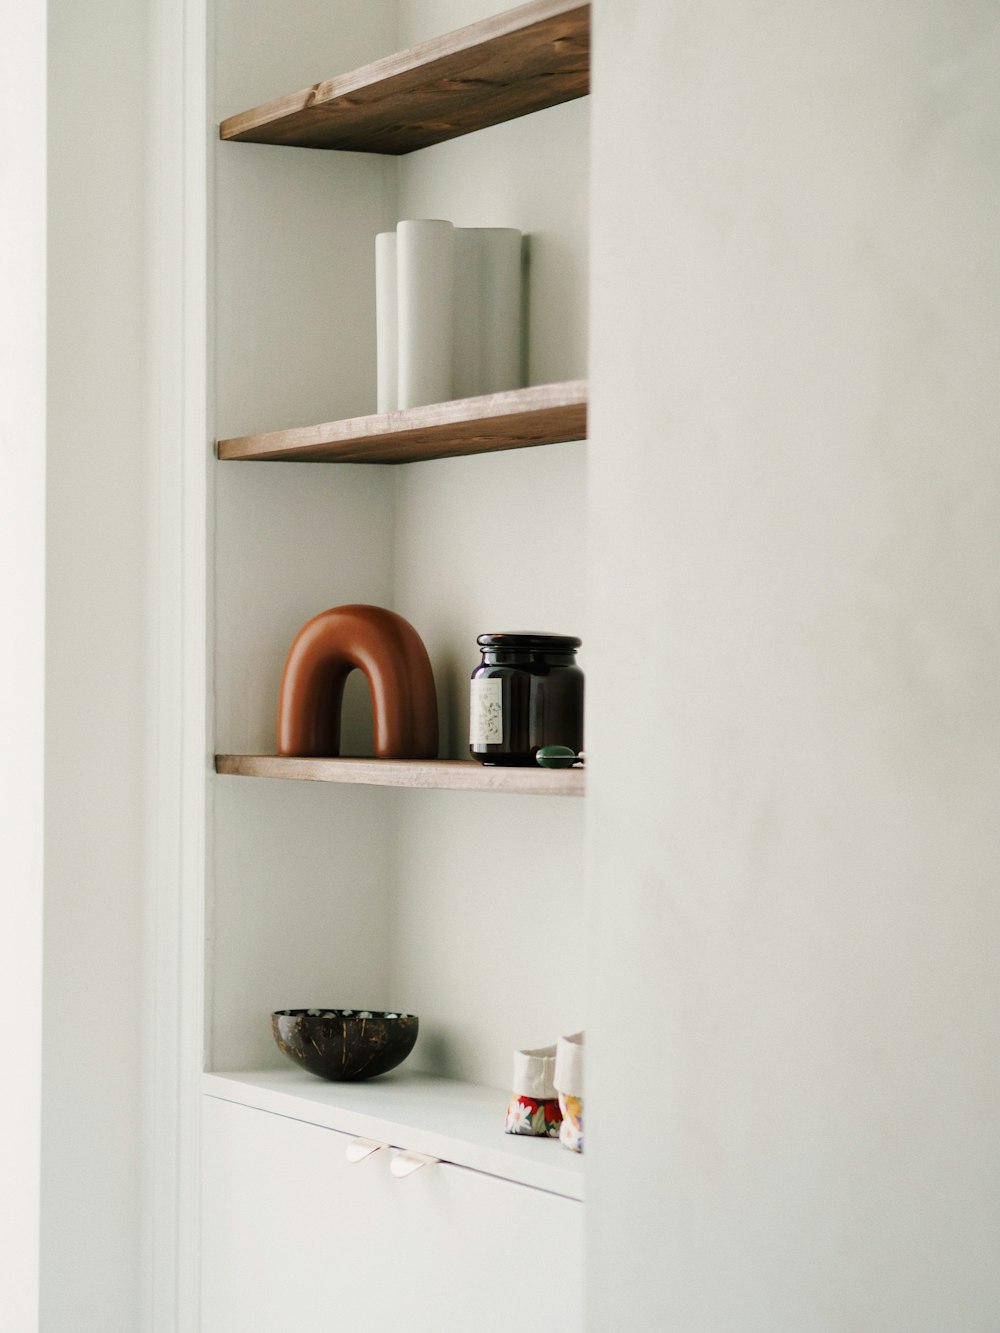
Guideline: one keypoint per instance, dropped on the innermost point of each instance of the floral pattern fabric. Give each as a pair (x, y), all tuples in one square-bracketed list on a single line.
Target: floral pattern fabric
[(571, 1130), (530, 1115)]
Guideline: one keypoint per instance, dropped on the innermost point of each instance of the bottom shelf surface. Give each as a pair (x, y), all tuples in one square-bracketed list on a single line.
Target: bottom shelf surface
[(456, 1122)]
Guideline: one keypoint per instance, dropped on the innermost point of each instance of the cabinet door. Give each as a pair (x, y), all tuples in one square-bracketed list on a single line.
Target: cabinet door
[(296, 1239)]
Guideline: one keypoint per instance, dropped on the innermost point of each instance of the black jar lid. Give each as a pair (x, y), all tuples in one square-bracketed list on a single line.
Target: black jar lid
[(531, 639)]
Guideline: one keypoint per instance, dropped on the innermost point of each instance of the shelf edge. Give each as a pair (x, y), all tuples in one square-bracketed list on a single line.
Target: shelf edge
[(416, 774), (516, 418)]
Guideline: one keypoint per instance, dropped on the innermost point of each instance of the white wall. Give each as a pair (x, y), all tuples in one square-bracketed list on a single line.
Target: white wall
[(299, 874), (22, 612), (487, 941), (792, 809), (793, 806), (79, 556), (96, 668)]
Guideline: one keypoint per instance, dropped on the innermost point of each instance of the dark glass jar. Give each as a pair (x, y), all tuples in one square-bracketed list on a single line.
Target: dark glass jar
[(527, 692)]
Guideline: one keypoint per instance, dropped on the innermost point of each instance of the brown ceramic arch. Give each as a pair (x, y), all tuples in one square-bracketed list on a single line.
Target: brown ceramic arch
[(391, 654)]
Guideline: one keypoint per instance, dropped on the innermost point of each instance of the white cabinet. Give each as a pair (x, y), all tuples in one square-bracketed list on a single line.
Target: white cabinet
[(297, 1239)]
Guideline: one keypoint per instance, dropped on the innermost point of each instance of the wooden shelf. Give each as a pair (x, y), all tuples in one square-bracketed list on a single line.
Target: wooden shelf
[(506, 66), (430, 774), (455, 1122), (515, 419)]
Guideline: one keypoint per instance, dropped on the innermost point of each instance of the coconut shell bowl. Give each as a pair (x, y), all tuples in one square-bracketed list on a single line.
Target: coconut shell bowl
[(344, 1044)]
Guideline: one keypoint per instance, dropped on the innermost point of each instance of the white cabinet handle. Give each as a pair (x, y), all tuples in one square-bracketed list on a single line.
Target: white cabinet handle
[(358, 1149), (405, 1163)]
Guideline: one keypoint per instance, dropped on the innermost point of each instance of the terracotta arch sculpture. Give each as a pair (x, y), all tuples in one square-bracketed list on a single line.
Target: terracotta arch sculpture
[(391, 654)]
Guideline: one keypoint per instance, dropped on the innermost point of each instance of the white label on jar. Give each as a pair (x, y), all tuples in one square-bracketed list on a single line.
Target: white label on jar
[(486, 712)]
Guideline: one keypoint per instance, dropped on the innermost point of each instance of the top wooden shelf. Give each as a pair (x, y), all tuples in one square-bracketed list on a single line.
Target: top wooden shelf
[(506, 66)]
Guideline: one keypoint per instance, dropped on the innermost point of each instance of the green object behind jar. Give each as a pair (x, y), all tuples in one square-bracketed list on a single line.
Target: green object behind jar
[(556, 756)]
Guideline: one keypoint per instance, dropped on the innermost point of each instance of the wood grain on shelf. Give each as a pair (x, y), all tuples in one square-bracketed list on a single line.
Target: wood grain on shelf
[(440, 774), (506, 66), (515, 419)]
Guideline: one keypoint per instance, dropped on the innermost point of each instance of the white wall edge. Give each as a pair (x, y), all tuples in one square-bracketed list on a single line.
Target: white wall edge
[(23, 127), (179, 758)]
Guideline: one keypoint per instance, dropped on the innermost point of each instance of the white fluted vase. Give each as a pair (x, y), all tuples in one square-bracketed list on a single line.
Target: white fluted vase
[(386, 323), (488, 310), (425, 268)]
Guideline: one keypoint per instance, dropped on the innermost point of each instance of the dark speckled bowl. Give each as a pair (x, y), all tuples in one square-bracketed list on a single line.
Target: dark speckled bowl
[(345, 1044)]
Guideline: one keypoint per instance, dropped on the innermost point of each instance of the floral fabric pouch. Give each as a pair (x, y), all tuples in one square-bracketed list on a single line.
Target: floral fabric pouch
[(569, 1080), (534, 1107)]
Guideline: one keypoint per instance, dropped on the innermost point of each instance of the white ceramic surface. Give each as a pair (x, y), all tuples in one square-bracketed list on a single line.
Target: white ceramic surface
[(425, 269), (487, 310), (386, 323)]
